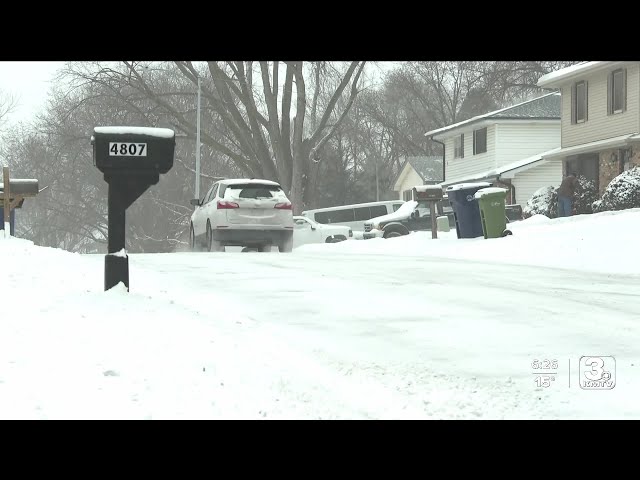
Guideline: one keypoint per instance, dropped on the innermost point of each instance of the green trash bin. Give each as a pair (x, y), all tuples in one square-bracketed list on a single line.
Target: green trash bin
[(493, 214)]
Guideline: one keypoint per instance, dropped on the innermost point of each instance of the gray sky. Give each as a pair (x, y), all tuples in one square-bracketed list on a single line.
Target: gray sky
[(30, 82)]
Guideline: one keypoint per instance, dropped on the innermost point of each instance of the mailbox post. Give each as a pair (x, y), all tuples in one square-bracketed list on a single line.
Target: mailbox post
[(131, 159), (432, 194)]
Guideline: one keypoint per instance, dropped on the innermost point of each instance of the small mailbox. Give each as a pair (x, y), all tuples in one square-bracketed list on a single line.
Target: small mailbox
[(13, 191), (24, 187), (133, 149), (428, 192), (432, 194)]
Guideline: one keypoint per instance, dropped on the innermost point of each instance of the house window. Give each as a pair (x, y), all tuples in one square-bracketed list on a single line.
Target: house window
[(579, 103), (458, 146), (407, 195), (480, 141), (617, 92)]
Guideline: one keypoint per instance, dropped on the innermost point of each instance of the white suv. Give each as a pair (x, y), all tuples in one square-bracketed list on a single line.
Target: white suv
[(242, 212)]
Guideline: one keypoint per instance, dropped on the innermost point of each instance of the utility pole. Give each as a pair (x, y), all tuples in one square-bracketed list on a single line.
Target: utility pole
[(198, 146), (377, 187)]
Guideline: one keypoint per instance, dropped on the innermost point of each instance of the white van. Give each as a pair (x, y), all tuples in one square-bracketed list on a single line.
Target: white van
[(353, 216)]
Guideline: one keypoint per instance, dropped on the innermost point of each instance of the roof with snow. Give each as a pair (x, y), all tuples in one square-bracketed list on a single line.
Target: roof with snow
[(563, 75), (595, 146), (428, 167), (506, 171), (546, 107)]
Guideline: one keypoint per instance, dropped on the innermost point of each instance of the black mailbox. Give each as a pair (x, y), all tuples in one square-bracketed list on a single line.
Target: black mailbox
[(133, 149), (427, 192), (131, 159)]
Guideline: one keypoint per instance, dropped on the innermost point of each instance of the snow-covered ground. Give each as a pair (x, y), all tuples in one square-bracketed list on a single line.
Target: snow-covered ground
[(603, 242), (401, 328)]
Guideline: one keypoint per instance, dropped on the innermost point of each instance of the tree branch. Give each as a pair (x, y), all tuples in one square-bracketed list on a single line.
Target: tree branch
[(352, 97)]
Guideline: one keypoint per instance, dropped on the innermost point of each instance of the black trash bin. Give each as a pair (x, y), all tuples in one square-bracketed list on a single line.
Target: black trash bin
[(12, 221), (465, 208)]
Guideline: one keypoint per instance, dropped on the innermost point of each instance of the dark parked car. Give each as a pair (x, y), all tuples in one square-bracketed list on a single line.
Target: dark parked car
[(412, 216)]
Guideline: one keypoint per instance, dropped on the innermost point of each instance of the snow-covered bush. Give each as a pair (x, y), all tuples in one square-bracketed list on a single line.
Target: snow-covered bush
[(623, 192), (543, 202), (586, 194)]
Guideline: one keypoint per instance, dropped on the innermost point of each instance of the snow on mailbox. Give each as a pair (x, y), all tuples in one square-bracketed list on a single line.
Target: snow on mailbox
[(133, 149), (427, 192), (131, 159)]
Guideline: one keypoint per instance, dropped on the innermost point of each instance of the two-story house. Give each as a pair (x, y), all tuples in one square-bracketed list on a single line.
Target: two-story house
[(600, 129), (504, 147), (423, 170)]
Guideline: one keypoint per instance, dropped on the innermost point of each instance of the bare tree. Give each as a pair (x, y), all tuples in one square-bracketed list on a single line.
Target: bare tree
[(71, 213), (257, 111), (8, 104), (458, 90)]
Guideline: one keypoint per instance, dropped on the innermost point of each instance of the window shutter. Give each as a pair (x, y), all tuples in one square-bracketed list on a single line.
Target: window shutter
[(462, 147), (610, 94), (624, 90), (573, 103), (586, 101)]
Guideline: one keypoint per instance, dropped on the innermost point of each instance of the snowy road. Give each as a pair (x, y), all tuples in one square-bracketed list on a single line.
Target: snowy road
[(443, 338), (376, 329)]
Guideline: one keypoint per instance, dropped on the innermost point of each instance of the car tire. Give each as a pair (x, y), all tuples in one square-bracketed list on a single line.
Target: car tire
[(213, 245), (193, 243), (286, 245), (265, 248), (392, 234)]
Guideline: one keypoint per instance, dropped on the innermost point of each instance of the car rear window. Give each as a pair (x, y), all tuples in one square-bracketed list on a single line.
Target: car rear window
[(253, 190)]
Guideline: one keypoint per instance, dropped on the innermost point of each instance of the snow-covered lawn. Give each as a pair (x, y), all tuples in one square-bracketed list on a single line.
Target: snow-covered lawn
[(603, 242), (401, 328)]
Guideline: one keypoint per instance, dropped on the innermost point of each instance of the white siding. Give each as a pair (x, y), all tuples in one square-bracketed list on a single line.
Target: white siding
[(599, 125), (470, 164), (544, 175), (411, 180), (520, 139)]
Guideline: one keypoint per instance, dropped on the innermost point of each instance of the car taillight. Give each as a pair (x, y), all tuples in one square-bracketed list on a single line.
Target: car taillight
[(223, 204), (284, 206)]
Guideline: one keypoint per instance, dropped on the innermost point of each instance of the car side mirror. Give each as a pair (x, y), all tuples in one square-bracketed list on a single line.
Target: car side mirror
[(195, 202), (312, 227), (415, 214)]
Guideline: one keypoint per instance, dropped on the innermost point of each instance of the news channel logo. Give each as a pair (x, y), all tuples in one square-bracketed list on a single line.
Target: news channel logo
[(597, 372)]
